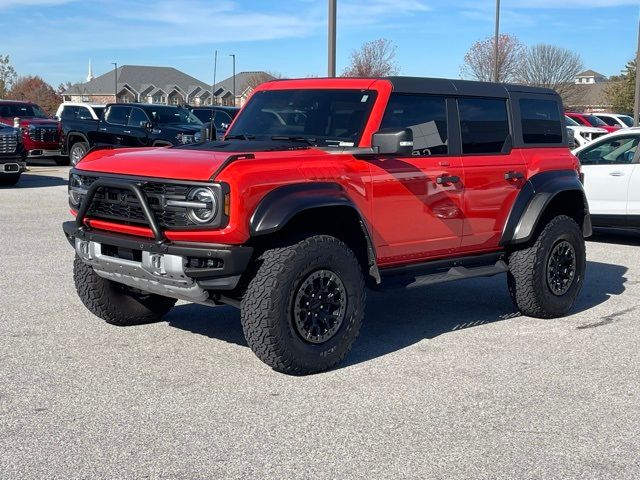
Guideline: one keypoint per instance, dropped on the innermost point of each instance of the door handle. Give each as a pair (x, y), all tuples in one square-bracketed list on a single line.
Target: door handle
[(616, 174), (103, 129), (513, 176), (446, 179), (127, 131)]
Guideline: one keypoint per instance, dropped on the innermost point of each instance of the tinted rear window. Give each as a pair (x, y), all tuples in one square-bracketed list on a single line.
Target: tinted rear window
[(484, 124), (540, 121)]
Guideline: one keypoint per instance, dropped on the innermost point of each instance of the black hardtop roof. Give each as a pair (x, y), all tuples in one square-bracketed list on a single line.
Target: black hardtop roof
[(445, 86)]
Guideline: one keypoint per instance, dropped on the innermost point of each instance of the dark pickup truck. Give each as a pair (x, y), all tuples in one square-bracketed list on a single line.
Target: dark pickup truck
[(130, 125)]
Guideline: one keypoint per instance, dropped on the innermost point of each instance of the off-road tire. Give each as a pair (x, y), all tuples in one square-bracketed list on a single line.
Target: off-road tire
[(77, 152), (62, 161), (527, 276), (116, 303), (267, 308), (9, 179)]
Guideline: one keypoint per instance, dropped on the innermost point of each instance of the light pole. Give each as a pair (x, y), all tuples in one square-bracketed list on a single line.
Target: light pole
[(496, 44), (636, 102), (332, 38), (115, 74), (234, 78)]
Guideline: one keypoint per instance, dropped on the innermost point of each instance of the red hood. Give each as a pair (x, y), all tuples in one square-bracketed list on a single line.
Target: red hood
[(25, 122), (176, 164)]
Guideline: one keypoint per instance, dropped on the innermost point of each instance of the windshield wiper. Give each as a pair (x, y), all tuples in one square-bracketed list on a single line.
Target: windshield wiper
[(240, 136), (309, 140)]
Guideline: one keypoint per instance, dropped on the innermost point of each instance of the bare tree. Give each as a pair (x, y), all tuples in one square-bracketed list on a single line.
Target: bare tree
[(8, 75), (551, 67), (258, 78), (479, 61), (373, 59)]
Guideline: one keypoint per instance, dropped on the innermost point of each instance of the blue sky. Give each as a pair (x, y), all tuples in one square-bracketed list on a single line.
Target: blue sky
[(56, 38)]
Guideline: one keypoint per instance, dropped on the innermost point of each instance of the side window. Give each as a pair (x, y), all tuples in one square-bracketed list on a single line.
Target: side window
[(70, 113), (540, 121), (484, 125), (220, 119), (117, 115), (581, 121), (84, 113), (426, 116), (616, 151), (137, 117), (608, 120)]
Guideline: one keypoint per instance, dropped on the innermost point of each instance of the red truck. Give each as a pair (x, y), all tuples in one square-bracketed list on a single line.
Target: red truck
[(324, 186), (40, 133), (590, 120)]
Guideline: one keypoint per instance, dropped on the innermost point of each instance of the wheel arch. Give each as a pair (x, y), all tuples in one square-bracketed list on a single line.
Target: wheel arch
[(74, 137), (546, 195), (319, 207)]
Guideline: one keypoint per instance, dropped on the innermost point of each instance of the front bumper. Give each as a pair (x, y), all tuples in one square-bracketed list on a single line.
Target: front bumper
[(191, 272), (10, 164), (41, 152)]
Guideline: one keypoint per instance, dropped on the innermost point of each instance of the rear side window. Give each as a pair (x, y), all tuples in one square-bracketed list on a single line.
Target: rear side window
[(426, 116), (117, 115), (70, 113), (540, 121), (484, 125)]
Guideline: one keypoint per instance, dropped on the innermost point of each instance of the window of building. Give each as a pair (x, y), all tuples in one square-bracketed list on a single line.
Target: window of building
[(484, 125), (425, 115), (540, 120)]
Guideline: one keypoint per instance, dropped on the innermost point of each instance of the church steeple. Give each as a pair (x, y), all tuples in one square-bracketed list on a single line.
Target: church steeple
[(90, 75)]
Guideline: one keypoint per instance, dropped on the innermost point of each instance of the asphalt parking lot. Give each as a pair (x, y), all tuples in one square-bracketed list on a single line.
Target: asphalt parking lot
[(445, 382)]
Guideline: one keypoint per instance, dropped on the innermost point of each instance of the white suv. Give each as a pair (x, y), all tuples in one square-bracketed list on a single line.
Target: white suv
[(615, 119), (612, 178), (583, 135)]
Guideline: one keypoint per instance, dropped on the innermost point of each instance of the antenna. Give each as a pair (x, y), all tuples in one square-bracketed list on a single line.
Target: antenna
[(213, 135)]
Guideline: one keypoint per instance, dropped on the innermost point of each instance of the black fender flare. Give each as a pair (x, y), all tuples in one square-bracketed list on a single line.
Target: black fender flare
[(534, 198), (77, 134), (280, 205)]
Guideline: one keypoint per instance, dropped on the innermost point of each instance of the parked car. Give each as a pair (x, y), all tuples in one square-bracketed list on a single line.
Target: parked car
[(130, 125), (390, 182), (583, 135), (612, 179), (12, 155), (590, 120), (220, 116), (616, 119), (40, 136), (79, 111)]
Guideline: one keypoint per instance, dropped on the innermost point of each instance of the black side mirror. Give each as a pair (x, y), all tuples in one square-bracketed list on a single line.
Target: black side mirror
[(393, 142)]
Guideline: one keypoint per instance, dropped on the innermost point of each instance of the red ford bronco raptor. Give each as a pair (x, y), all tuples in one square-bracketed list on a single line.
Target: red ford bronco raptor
[(324, 186)]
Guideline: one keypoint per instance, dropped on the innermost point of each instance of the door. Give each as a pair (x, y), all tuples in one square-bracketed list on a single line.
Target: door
[(417, 200), (608, 166), (111, 128), (633, 204), (493, 173), (135, 135)]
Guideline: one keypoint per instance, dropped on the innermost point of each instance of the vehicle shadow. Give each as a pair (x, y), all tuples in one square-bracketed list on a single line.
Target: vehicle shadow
[(39, 181), (617, 237), (396, 319)]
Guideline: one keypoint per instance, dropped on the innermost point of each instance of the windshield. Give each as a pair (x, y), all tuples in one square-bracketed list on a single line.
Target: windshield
[(595, 121), (626, 119), (571, 122), (323, 117), (172, 116), (21, 110)]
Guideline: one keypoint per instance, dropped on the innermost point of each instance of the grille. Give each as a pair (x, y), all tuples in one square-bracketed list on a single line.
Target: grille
[(122, 205), (43, 134), (8, 143)]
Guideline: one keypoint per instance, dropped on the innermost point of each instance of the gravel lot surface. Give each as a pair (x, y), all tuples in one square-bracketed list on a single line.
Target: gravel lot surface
[(445, 382)]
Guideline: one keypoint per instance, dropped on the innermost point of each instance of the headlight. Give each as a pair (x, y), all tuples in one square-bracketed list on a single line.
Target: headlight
[(207, 205), (76, 190)]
